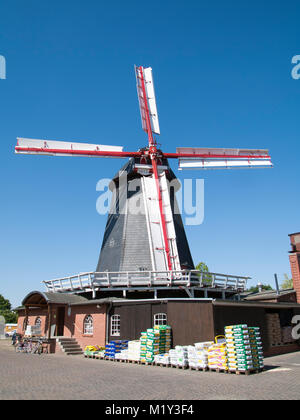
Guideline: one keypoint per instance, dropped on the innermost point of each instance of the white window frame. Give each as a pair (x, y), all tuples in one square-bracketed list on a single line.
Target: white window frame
[(160, 319), (38, 322), (88, 325), (115, 326)]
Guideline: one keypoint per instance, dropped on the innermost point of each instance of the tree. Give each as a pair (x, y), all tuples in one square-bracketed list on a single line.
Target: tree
[(207, 279), (287, 282), (5, 310), (264, 287)]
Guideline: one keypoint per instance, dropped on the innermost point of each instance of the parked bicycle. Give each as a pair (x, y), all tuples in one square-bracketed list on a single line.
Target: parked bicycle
[(28, 346)]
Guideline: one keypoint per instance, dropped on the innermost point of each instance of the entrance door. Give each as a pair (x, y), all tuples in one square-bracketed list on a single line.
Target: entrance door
[(60, 321)]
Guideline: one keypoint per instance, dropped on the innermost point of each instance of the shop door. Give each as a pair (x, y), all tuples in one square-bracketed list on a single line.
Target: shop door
[(60, 321)]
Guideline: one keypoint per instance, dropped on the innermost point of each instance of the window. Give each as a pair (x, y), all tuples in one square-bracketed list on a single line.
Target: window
[(38, 322), (160, 319), (115, 325), (88, 325)]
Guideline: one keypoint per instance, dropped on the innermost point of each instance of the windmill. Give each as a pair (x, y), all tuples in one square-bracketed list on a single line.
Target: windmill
[(154, 240)]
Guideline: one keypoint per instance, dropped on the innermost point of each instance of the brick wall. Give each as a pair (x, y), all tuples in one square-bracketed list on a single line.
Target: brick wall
[(74, 323), (295, 269), (74, 320)]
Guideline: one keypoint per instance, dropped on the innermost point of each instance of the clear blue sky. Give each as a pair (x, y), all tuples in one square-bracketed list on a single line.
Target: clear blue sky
[(222, 73)]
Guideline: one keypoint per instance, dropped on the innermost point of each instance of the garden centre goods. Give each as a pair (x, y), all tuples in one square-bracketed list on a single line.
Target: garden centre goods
[(244, 348), (162, 359), (114, 347), (179, 356), (154, 341), (256, 348), (123, 355), (94, 350), (197, 358), (164, 337), (134, 350), (217, 356), (204, 345)]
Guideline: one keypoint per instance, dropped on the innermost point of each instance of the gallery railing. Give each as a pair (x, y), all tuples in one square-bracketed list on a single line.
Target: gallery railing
[(148, 279)]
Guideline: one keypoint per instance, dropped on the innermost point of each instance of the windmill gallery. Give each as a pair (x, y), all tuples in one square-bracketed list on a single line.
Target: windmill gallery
[(145, 269)]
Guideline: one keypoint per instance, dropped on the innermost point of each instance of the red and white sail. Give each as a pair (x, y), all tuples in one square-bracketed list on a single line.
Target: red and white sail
[(63, 148), (214, 158), (146, 96)]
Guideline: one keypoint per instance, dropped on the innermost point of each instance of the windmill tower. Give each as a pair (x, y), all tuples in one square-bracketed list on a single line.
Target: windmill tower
[(154, 239)]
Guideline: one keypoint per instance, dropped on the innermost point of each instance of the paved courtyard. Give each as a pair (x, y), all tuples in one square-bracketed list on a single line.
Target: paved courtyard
[(29, 377)]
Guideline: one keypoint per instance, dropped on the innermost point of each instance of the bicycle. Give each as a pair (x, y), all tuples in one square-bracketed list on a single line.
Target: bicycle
[(38, 347)]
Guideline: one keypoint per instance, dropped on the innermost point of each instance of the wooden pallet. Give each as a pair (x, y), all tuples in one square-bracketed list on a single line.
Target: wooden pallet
[(245, 372), (179, 367), (162, 364), (137, 362), (198, 368), (146, 363), (218, 370)]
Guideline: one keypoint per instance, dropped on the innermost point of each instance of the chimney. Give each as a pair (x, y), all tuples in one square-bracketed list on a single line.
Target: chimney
[(259, 285), (295, 262)]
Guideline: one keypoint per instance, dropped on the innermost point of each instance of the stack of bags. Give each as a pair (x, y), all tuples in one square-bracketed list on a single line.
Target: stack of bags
[(179, 356), (274, 329), (114, 347), (256, 348), (238, 348), (168, 337), (143, 346), (123, 355), (198, 355), (134, 350), (217, 356), (162, 359), (154, 345), (244, 348), (94, 350), (90, 350), (164, 337)]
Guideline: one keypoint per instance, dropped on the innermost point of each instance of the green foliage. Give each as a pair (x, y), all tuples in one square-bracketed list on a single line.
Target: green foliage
[(287, 282), (264, 287), (207, 279), (5, 310)]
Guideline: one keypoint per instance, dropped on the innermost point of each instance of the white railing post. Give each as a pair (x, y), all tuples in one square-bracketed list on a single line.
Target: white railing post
[(189, 279)]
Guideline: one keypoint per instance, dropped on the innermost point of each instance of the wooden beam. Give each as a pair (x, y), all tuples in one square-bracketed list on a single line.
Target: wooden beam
[(49, 321)]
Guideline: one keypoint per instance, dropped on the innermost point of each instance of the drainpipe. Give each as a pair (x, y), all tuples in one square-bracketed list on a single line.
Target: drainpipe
[(107, 321), (277, 286)]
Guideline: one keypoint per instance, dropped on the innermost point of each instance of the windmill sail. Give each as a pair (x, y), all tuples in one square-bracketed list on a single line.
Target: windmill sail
[(62, 148), (212, 158), (147, 98)]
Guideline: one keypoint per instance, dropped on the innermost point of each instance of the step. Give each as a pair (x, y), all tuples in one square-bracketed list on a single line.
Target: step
[(73, 353), (66, 339), (69, 348)]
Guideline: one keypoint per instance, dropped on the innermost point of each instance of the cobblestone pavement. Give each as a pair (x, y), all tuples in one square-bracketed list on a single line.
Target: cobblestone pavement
[(59, 377)]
